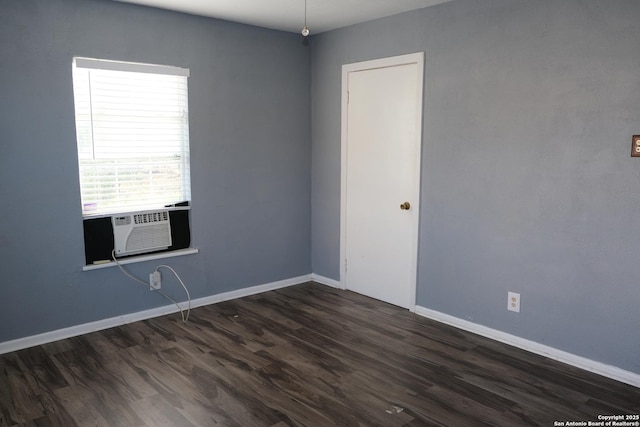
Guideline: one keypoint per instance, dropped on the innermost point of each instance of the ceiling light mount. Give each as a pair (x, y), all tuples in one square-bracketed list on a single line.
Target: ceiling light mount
[(305, 30)]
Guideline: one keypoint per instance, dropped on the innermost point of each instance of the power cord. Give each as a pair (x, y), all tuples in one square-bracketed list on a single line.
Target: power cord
[(185, 318)]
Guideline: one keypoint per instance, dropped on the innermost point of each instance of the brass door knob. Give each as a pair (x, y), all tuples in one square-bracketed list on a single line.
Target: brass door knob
[(405, 206)]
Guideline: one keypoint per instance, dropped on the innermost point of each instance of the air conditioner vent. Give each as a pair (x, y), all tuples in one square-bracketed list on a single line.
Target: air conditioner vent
[(151, 217), (141, 232)]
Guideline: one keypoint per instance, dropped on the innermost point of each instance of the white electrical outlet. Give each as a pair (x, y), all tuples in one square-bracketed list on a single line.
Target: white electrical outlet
[(513, 302), (155, 281)]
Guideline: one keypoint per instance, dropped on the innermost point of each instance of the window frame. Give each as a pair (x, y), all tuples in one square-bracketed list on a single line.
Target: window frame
[(184, 166)]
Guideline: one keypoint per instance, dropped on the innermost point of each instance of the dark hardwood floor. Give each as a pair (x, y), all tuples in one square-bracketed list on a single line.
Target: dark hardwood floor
[(305, 355)]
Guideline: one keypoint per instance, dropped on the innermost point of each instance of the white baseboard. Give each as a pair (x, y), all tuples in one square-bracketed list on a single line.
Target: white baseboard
[(73, 331), (609, 371), (213, 299), (605, 370), (326, 281)]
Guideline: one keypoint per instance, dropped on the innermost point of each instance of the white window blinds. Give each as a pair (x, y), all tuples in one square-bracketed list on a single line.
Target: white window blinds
[(132, 128)]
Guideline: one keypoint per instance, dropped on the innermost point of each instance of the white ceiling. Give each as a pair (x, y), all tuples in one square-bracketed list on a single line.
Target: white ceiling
[(288, 15)]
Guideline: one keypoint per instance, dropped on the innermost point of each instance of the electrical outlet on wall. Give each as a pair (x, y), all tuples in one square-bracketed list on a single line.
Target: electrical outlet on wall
[(155, 281), (635, 146), (513, 302)]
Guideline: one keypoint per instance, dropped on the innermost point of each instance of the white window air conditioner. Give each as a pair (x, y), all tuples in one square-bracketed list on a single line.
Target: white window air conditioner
[(141, 232)]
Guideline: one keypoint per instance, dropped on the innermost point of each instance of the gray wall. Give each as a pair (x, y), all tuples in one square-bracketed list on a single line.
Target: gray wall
[(249, 96), (527, 180)]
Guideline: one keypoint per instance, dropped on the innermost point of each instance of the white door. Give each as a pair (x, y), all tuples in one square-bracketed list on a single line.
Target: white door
[(381, 140)]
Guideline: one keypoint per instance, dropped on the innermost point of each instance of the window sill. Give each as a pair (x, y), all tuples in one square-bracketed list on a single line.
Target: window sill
[(141, 258)]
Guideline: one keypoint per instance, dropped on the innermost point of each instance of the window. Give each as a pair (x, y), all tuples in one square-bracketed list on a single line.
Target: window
[(132, 128)]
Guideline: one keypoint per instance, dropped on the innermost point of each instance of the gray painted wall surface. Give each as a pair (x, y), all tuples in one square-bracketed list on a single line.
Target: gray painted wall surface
[(527, 180), (249, 96)]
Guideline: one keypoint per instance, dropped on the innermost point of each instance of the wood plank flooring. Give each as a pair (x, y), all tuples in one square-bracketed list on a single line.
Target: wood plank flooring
[(307, 355)]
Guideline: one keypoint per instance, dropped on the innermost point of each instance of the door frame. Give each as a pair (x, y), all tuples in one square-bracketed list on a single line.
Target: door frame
[(412, 58)]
